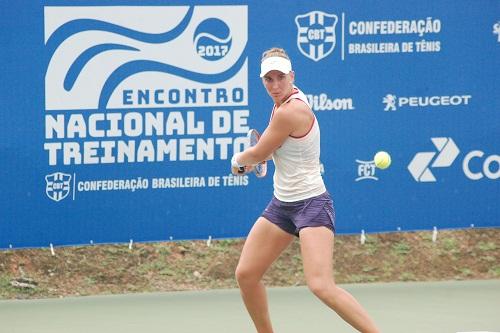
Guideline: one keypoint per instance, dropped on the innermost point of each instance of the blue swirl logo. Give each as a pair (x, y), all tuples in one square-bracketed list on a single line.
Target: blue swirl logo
[(212, 39)]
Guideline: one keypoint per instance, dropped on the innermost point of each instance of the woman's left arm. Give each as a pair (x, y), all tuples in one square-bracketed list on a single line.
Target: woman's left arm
[(283, 123)]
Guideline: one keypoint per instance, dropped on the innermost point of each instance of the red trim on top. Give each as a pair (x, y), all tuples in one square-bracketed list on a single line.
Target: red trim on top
[(294, 91), (308, 131), (272, 113), (288, 99)]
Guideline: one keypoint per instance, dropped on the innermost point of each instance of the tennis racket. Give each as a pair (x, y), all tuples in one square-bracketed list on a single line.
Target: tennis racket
[(260, 169)]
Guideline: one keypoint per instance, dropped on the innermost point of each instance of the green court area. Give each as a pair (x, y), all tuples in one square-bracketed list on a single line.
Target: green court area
[(409, 307)]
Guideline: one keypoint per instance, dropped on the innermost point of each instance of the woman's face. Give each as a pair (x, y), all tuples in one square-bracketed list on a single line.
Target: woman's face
[(278, 85)]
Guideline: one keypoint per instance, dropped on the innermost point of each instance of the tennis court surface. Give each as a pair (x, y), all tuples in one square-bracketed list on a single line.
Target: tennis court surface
[(407, 307)]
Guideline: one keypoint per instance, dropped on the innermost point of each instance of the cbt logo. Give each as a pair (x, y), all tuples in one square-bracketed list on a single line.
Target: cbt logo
[(58, 186), (316, 34), (475, 165)]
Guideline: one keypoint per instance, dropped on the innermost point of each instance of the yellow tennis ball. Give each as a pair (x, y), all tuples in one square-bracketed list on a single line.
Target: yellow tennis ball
[(382, 160)]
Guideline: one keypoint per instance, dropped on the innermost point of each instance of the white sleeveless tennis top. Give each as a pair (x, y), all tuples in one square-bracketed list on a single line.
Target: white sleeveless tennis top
[(297, 167)]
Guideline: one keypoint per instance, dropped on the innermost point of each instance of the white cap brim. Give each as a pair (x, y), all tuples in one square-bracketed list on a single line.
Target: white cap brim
[(275, 64)]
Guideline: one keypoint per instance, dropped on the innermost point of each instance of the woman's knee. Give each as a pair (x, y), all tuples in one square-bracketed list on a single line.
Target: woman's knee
[(246, 276), (321, 287)]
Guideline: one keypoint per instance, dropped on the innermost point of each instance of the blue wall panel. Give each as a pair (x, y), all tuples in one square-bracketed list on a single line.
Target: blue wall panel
[(119, 117)]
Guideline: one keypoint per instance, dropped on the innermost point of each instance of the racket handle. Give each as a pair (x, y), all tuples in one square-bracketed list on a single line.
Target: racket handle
[(241, 170)]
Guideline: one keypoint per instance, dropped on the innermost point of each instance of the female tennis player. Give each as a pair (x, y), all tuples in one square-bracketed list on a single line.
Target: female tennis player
[(301, 205)]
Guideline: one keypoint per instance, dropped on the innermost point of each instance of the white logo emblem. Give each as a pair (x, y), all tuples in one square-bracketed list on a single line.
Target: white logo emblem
[(366, 170), (316, 34), (419, 165), (496, 30), (58, 186), (390, 102), (153, 56)]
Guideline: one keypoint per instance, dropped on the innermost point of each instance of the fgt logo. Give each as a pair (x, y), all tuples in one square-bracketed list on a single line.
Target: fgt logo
[(419, 165)]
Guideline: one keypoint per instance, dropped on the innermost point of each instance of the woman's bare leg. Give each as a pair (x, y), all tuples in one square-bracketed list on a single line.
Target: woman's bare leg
[(264, 244), (316, 245)]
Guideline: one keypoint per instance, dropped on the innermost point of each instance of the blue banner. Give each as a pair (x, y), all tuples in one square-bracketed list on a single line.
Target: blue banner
[(120, 117)]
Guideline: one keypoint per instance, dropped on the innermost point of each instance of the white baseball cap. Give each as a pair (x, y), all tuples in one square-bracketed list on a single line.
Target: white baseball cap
[(275, 64)]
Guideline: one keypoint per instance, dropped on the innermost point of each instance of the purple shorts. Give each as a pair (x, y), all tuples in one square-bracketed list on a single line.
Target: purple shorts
[(293, 216)]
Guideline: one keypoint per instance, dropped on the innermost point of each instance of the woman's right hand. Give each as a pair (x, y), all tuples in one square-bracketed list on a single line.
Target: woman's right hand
[(241, 171)]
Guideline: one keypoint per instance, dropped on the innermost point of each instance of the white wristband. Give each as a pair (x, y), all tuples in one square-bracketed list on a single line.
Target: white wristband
[(234, 162)]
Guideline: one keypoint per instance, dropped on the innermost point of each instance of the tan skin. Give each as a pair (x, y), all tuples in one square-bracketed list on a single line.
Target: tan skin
[(266, 241), (293, 118)]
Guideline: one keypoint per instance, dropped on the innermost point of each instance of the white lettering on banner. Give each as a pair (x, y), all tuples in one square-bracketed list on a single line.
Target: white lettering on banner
[(395, 47), (313, 28), (139, 183), (132, 151), (488, 169), (434, 100), (174, 97), (392, 102), (135, 125), (322, 102), (428, 46), (358, 48), (232, 180), (222, 121), (420, 27), (179, 182), (113, 185)]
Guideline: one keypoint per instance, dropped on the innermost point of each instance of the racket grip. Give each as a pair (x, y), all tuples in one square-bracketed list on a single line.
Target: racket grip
[(241, 170)]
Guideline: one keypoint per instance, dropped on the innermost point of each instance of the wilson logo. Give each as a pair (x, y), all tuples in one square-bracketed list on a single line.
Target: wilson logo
[(421, 164)]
